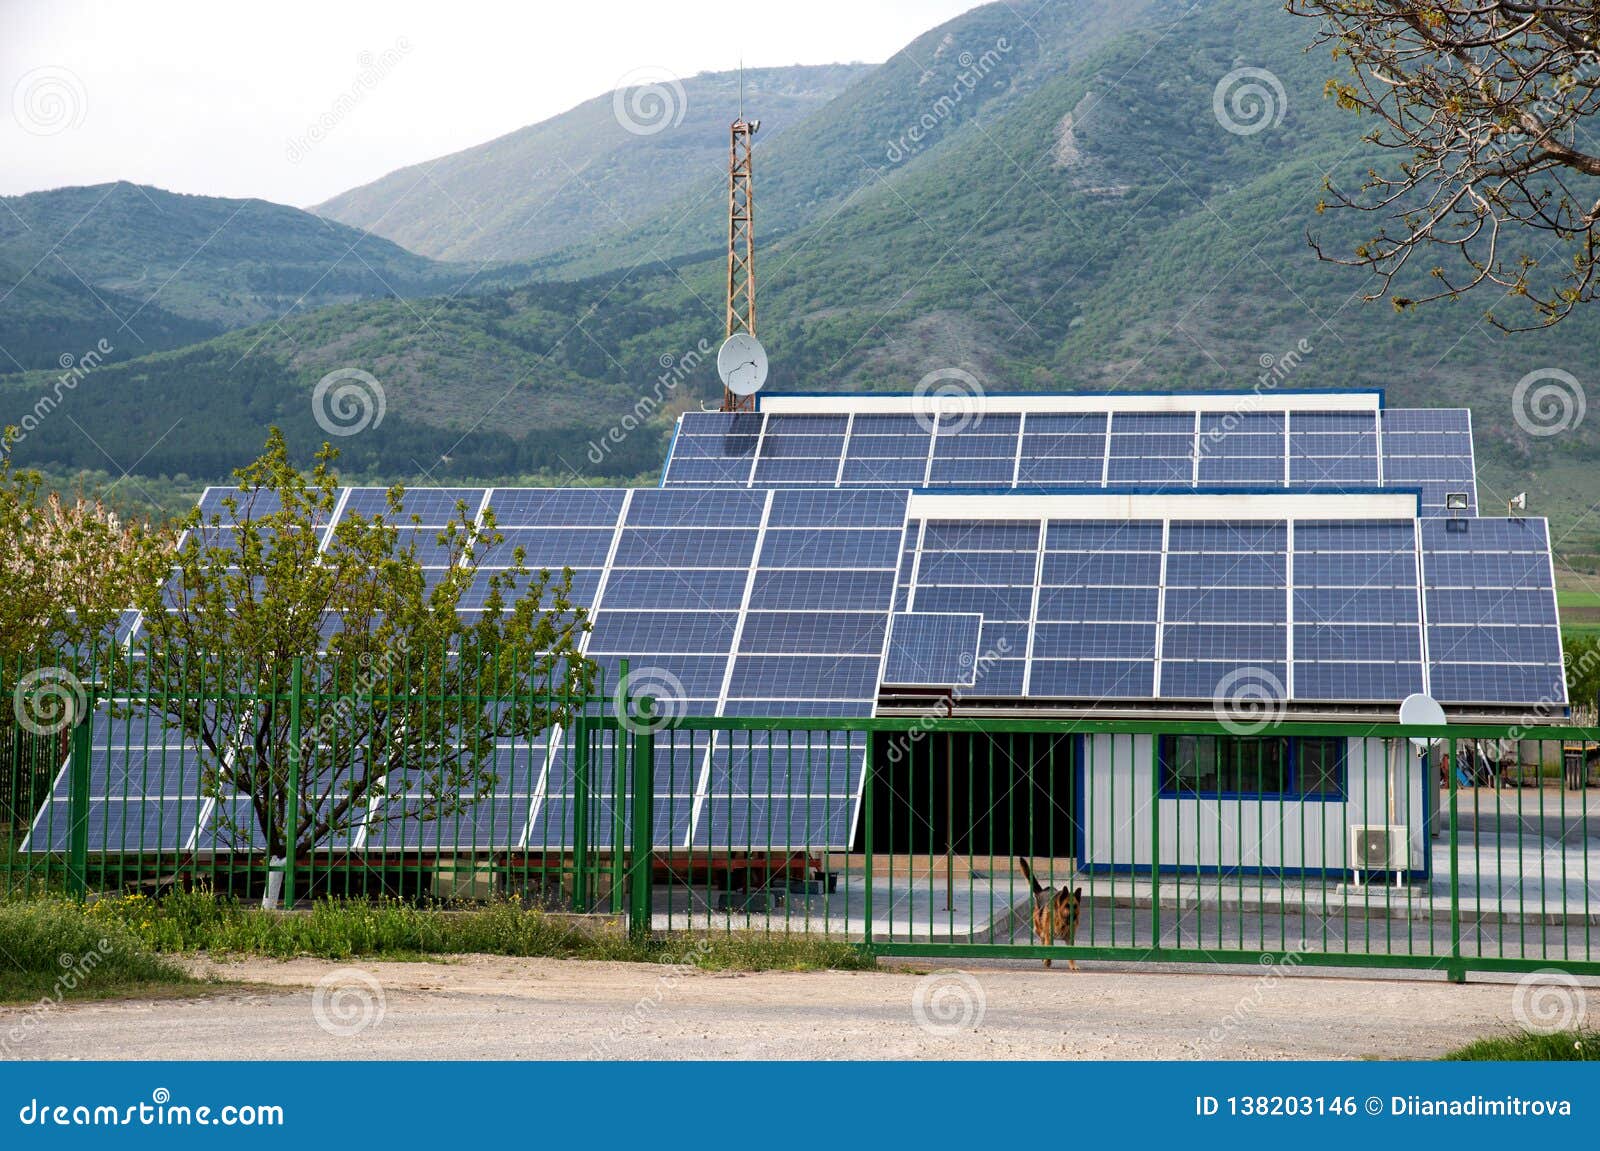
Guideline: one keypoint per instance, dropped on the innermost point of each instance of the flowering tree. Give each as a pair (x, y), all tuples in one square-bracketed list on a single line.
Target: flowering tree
[(67, 567)]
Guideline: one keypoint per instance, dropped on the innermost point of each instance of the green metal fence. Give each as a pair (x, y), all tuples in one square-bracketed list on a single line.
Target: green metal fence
[(1352, 844)]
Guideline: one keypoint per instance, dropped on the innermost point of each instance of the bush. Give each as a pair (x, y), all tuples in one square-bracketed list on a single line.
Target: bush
[(59, 949), (1560, 1046), (340, 929)]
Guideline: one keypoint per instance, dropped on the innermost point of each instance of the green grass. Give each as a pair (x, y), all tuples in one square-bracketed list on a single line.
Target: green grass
[(185, 923), (53, 949), (1561, 1046)]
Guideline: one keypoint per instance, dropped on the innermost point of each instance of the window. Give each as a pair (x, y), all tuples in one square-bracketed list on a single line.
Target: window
[(1269, 767)]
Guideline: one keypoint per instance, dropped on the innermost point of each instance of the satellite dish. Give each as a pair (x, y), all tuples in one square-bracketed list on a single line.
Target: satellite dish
[(1420, 710), (742, 364)]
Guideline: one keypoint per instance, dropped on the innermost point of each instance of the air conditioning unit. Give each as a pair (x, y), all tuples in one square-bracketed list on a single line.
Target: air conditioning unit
[(1379, 847)]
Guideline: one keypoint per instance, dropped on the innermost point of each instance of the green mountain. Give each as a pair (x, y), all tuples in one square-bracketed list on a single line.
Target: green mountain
[(1075, 216), (601, 168), (145, 269)]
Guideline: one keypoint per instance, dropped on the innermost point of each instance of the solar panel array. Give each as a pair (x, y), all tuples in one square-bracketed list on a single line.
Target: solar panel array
[(1322, 611), (724, 603), (778, 571), (1161, 451)]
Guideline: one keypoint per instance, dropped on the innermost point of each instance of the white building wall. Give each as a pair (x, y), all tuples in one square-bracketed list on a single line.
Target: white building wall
[(1119, 780)]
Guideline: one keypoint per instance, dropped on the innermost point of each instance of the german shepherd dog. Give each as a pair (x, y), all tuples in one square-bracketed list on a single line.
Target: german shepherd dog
[(1055, 912)]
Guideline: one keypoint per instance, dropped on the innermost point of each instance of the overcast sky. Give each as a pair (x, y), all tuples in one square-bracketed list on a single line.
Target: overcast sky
[(210, 97)]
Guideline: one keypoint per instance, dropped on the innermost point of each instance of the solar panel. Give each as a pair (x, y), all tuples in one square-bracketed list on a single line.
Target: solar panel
[(1489, 599), (1432, 448), (1428, 450), (939, 650)]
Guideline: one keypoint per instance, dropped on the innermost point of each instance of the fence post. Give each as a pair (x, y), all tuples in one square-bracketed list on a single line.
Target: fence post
[(866, 818), (291, 818), (621, 758), (78, 805), (639, 893), (580, 808), (1457, 970), (1155, 845)]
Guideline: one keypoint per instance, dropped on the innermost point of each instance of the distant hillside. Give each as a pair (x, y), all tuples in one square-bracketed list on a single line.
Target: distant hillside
[(583, 173), (1090, 225), (147, 269)]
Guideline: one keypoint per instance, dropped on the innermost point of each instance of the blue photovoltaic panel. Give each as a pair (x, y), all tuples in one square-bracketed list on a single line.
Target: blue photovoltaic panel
[(938, 650), (1427, 450), (1356, 633), (977, 566), (1431, 449), (1489, 596)]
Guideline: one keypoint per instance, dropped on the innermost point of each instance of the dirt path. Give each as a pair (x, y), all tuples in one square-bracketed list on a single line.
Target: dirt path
[(494, 1008)]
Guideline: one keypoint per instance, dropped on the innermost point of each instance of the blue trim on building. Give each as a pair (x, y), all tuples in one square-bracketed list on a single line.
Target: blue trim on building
[(1089, 867)]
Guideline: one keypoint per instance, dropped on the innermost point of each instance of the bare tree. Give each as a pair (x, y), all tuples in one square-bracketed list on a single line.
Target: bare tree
[(1488, 105)]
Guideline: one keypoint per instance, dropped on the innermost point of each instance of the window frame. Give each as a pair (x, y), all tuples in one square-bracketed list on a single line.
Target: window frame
[(1169, 787)]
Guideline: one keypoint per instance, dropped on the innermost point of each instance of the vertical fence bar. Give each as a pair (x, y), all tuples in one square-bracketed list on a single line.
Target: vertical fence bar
[(643, 838), (1155, 845), (580, 808), (291, 819), (1458, 973), (866, 818), (78, 806)]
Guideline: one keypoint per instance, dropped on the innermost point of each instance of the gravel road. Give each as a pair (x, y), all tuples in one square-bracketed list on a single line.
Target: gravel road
[(495, 1008)]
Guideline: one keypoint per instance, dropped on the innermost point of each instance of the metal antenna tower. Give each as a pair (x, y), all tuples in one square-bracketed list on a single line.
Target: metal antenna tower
[(741, 239)]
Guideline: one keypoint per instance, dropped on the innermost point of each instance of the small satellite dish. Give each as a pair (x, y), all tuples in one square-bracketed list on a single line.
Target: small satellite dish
[(742, 364), (1420, 710)]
